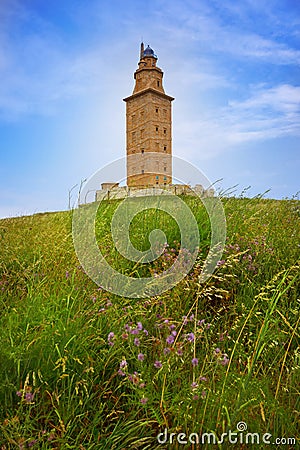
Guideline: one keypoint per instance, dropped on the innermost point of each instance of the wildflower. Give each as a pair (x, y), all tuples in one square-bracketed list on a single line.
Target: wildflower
[(170, 339), (166, 321), (221, 262), (196, 397), (67, 274), (142, 385), (192, 317), (135, 331), (19, 393), (139, 326), (180, 352), (201, 322), (224, 361), (195, 362), (29, 397), (208, 326), (144, 400), (141, 357), (146, 332), (203, 379), (172, 326), (190, 337), (121, 373), (31, 443), (125, 336), (110, 338), (203, 394), (158, 364), (134, 378), (194, 385), (173, 333), (123, 363), (136, 341), (166, 350), (217, 350)]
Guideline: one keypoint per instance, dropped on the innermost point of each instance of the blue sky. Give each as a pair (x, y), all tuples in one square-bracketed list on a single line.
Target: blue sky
[(233, 68)]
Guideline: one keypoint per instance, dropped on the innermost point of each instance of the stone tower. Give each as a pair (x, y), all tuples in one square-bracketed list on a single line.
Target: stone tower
[(148, 126)]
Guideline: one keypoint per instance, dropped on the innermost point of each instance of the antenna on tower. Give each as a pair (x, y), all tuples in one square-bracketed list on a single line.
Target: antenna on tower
[(142, 50)]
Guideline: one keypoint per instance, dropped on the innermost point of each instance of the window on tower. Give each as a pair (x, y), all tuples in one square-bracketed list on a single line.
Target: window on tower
[(158, 83), (165, 148), (165, 131), (143, 171), (156, 110), (142, 151), (156, 129)]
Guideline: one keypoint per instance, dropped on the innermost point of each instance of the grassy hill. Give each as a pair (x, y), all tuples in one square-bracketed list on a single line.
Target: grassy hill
[(81, 368)]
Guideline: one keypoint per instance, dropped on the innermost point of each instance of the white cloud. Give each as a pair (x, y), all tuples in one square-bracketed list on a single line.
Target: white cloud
[(268, 113)]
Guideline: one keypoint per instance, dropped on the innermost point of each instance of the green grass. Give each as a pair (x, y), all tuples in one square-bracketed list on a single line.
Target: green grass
[(79, 389)]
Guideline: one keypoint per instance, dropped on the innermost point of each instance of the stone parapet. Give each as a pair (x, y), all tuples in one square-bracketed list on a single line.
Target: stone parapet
[(116, 193)]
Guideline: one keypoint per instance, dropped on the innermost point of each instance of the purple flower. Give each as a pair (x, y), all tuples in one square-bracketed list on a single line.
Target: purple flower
[(170, 339), (29, 397), (135, 331), (217, 350), (144, 400), (146, 332), (139, 326), (136, 341), (173, 333), (180, 352), (201, 322), (121, 373), (142, 385), (110, 338), (195, 362), (19, 393), (203, 379), (196, 397), (203, 394), (190, 337), (208, 326), (31, 443), (141, 357), (123, 363), (158, 364), (224, 361), (221, 262), (67, 274), (166, 350), (172, 326), (194, 385)]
